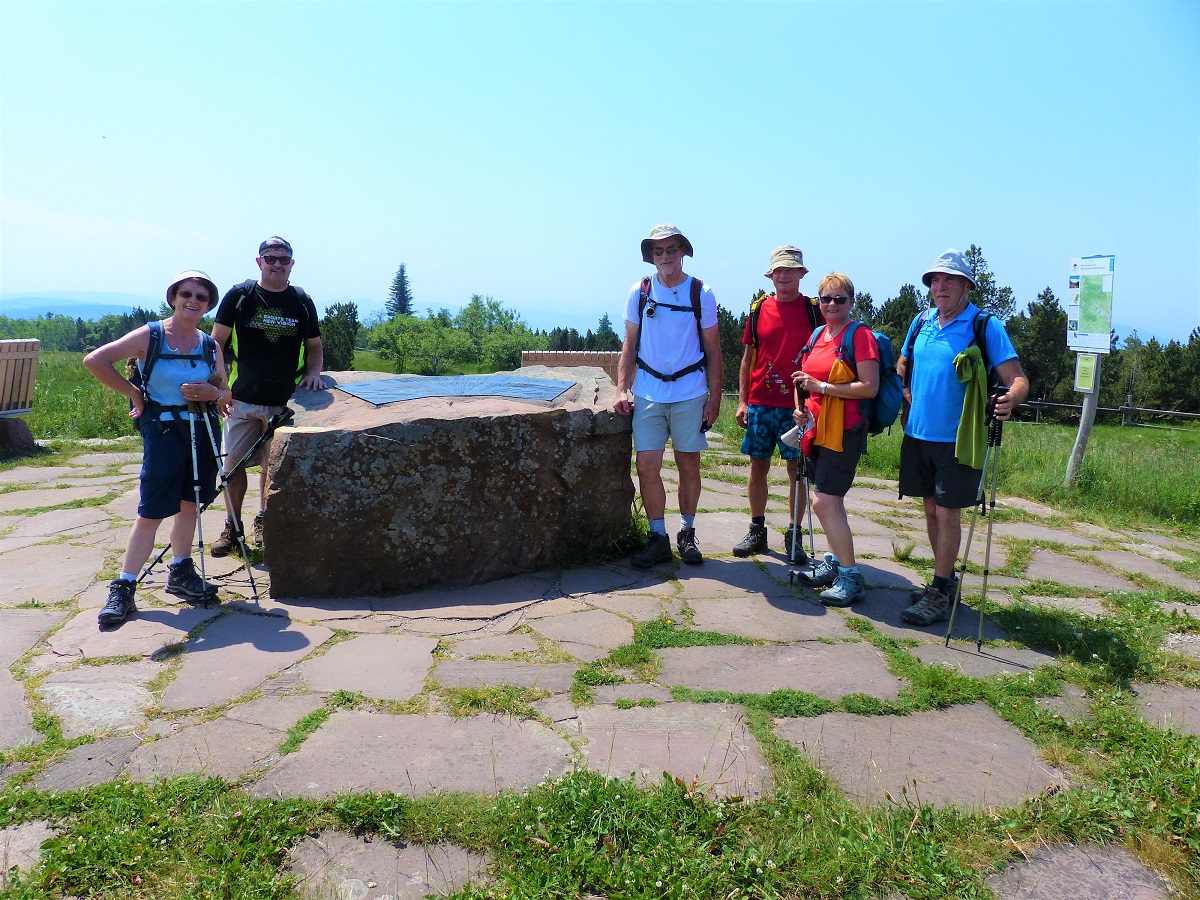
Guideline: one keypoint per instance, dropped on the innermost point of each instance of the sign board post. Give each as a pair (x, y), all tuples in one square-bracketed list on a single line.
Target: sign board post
[(1089, 326)]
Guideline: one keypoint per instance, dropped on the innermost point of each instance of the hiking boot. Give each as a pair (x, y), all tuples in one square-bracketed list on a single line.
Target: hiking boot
[(934, 606), (847, 588), (184, 581), (120, 605), (802, 558), (227, 543), (916, 594), (689, 552), (657, 550), (824, 574), (256, 530), (755, 541)]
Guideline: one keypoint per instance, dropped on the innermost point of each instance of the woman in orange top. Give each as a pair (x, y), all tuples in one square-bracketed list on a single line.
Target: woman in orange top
[(838, 435)]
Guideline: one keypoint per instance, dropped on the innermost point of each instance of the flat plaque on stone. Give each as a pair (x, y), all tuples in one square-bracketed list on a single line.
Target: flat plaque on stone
[(419, 387)]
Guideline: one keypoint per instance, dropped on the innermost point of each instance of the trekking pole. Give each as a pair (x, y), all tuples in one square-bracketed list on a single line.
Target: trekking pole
[(812, 541), (238, 531), (795, 514), (995, 432), (195, 409)]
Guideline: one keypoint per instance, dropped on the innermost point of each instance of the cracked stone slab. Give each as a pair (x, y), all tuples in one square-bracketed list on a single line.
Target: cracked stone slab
[(1070, 872), (1046, 565), (558, 708), (827, 670), (1033, 531), (323, 610), (125, 506), (1170, 706), (638, 608), (611, 693), (48, 573), (444, 627), (16, 722), (553, 677), (21, 847), (20, 629), (333, 864), (148, 631), (583, 652), (35, 474), (108, 459), (1071, 704), (726, 578), (883, 608), (236, 653), (495, 645), (708, 743), (559, 606), (383, 666), (95, 698), (778, 619), (964, 658), (60, 523), (965, 756), (592, 627), (90, 764), (598, 579), (1132, 562), (475, 601), (1029, 506), (417, 755), (888, 573), (41, 497), (1092, 607), (1155, 551)]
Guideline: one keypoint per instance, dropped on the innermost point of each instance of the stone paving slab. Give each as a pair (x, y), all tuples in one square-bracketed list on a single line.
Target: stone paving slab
[(727, 578), (1071, 704), (1032, 531), (89, 764), (704, 743), (1046, 565), (47, 573), (1069, 872), (557, 606), (41, 497), (888, 573), (96, 698), (827, 670), (20, 629), (554, 677), (333, 864), (598, 579), (1185, 644), (147, 632), (36, 474), (16, 722), (965, 756), (883, 608), (60, 523), (1092, 607), (495, 645), (1170, 706), (1029, 506), (611, 693), (964, 658), (1155, 551), (125, 506), (108, 459), (592, 627), (476, 601), (236, 653), (383, 666), (21, 847), (1132, 562), (638, 608), (778, 619), (417, 755)]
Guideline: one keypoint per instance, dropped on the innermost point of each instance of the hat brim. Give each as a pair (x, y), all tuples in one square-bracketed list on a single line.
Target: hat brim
[(927, 278), (212, 290), (648, 247), (803, 270)]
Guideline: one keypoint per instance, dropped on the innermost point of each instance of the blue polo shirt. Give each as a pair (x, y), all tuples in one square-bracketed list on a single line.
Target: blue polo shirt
[(937, 393)]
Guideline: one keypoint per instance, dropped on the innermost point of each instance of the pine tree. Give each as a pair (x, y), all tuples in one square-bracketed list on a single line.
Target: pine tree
[(400, 301)]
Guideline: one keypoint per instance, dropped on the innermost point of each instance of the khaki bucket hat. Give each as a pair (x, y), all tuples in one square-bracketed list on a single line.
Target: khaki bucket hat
[(786, 257), (661, 233)]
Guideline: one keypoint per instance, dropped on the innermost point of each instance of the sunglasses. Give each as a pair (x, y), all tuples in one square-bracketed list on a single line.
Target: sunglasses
[(667, 251), (282, 260), (838, 300)]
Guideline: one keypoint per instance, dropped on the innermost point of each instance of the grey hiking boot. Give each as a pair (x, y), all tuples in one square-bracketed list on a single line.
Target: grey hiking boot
[(825, 573), (689, 552), (256, 530), (657, 550), (847, 588), (184, 581), (934, 606), (227, 543), (916, 594), (120, 605), (755, 541)]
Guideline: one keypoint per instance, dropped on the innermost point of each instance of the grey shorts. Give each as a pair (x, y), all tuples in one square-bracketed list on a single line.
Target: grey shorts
[(245, 425), (929, 469), (654, 422)]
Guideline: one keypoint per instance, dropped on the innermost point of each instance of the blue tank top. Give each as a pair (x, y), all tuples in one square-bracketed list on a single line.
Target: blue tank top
[(171, 371)]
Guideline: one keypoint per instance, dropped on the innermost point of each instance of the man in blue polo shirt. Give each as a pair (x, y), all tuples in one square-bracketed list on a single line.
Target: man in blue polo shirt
[(929, 467)]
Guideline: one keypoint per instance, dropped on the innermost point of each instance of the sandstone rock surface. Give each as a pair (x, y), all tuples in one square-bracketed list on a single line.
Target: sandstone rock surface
[(371, 500)]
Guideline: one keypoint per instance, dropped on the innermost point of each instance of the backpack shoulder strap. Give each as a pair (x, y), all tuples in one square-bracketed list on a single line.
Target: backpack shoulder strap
[(814, 316), (153, 351), (643, 298), (755, 313), (812, 342), (697, 288), (247, 288), (848, 345), (980, 325)]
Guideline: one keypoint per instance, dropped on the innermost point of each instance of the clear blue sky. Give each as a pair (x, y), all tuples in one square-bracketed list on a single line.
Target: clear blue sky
[(522, 150)]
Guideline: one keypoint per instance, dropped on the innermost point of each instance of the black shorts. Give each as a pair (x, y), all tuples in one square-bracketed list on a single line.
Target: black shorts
[(929, 469), (833, 471)]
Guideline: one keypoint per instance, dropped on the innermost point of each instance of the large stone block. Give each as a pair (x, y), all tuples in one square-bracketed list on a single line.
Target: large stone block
[(368, 500)]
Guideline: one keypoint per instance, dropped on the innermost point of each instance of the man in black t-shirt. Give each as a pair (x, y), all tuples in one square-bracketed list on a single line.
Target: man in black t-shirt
[(264, 325)]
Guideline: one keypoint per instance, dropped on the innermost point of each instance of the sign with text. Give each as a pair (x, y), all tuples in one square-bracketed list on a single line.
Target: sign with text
[(1089, 303), (1085, 372)]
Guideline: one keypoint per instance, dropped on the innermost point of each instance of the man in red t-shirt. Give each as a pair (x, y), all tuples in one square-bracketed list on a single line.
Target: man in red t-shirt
[(777, 330)]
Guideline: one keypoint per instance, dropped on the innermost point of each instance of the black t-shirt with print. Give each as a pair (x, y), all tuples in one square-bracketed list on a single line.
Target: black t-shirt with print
[(269, 331)]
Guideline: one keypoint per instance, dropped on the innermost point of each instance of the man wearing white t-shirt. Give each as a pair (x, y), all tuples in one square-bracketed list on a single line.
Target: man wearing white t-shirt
[(669, 379)]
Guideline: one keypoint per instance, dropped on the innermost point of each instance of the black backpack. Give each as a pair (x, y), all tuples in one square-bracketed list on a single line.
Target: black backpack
[(247, 288), (645, 301), (978, 339)]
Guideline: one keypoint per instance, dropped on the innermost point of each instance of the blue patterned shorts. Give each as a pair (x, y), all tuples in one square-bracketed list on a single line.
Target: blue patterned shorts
[(764, 425)]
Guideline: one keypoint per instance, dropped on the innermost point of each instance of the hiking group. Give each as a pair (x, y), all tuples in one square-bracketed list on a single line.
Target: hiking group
[(808, 369), (269, 331)]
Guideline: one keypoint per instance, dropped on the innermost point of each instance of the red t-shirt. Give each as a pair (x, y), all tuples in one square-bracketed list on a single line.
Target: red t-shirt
[(783, 330), (819, 363)]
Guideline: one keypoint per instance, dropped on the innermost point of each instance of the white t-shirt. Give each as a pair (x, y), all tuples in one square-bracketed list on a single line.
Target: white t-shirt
[(670, 342)]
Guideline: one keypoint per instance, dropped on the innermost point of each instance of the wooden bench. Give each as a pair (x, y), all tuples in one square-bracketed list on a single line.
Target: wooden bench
[(600, 359), (18, 369)]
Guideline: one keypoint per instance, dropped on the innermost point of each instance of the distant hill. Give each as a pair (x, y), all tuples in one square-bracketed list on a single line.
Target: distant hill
[(76, 304)]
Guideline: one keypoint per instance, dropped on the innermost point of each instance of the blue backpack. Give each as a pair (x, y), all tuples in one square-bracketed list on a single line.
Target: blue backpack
[(882, 410)]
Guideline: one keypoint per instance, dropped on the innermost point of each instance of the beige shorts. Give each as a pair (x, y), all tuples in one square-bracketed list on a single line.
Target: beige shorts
[(245, 425)]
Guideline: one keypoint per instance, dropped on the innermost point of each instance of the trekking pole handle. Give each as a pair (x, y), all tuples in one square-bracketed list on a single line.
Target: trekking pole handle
[(995, 427)]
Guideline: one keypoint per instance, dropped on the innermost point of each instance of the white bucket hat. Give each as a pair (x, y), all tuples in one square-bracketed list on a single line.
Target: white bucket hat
[(661, 233), (194, 275), (950, 263)]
